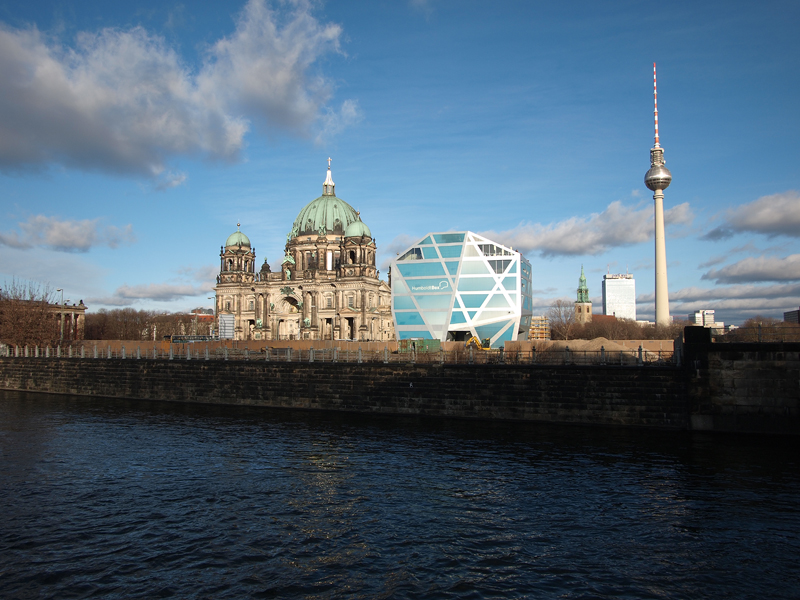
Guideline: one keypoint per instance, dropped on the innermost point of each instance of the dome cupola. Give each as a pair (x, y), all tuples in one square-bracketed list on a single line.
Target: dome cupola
[(357, 228), (237, 238)]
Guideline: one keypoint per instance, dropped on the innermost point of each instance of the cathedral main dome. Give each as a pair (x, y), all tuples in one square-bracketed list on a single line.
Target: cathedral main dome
[(326, 215)]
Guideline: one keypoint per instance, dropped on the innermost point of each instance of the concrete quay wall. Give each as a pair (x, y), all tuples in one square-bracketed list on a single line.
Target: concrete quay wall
[(634, 396)]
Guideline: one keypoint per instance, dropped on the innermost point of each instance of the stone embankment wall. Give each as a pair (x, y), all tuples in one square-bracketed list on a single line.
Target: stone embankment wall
[(733, 387), (745, 387), (638, 396)]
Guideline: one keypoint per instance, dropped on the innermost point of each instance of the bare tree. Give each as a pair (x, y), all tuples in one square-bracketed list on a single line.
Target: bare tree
[(26, 316), (562, 319), (131, 324)]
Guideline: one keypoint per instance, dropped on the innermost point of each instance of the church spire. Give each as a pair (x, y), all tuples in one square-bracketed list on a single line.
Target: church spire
[(328, 188), (583, 289)]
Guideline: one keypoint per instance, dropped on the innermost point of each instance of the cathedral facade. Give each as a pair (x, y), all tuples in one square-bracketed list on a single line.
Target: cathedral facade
[(327, 286)]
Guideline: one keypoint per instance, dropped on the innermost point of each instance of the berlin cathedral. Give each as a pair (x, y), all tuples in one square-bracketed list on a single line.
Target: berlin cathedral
[(327, 287)]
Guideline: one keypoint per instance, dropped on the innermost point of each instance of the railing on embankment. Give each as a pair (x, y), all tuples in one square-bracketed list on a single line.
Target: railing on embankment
[(349, 353)]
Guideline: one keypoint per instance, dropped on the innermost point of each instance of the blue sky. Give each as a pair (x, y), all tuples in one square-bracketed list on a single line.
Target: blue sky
[(134, 136)]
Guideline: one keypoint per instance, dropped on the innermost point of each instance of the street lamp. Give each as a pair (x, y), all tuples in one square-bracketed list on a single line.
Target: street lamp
[(62, 312), (214, 298)]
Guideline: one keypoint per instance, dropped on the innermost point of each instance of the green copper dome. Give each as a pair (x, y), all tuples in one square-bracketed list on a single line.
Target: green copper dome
[(237, 238), (327, 215), (357, 228)]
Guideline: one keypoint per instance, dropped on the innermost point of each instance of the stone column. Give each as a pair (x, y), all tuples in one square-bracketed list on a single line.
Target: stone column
[(267, 317)]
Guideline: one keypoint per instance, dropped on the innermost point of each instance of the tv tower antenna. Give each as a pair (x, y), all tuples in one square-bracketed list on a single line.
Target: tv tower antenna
[(658, 179), (655, 103)]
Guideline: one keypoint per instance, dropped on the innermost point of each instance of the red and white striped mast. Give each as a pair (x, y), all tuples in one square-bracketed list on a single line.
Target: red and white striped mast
[(655, 103)]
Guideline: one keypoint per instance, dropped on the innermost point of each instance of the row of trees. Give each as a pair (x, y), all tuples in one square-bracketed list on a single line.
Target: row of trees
[(564, 326), (131, 324), (765, 329), (29, 317)]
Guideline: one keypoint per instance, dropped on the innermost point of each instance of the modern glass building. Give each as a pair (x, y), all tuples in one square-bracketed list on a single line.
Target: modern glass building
[(619, 296), (455, 285)]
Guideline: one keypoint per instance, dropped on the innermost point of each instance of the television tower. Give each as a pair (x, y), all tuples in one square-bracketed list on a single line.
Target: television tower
[(658, 179)]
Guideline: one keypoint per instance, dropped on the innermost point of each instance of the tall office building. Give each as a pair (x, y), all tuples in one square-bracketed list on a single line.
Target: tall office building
[(619, 296), (658, 179)]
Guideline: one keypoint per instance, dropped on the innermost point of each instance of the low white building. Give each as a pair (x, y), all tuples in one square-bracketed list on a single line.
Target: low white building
[(705, 318)]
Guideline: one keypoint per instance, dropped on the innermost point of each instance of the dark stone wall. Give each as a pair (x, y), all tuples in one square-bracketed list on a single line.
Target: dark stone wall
[(733, 387), (637, 396), (744, 387)]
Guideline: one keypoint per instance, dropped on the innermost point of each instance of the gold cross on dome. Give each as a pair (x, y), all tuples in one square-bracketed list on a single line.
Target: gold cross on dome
[(329, 162)]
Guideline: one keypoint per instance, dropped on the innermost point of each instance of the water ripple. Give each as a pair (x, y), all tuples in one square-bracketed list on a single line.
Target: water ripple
[(116, 499)]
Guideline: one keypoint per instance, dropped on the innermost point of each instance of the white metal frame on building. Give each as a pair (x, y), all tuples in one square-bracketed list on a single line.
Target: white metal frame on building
[(453, 282)]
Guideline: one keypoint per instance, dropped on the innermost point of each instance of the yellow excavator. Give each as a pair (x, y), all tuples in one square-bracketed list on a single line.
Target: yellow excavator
[(480, 345)]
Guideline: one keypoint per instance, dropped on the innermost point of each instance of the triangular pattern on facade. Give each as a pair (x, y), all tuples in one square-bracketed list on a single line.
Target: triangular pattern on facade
[(461, 284)]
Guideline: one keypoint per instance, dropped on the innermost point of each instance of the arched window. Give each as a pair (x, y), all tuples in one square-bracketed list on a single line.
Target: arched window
[(352, 257), (329, 302)]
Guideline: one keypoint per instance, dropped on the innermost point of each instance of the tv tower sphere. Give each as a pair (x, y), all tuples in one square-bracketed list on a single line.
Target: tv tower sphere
[(657, 177)]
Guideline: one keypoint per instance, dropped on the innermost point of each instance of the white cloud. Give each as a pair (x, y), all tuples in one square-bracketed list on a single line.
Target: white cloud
[(126, 295), (778, 214), (696, 294), (123, 101), (754, 269), (205, 274), (733, 303), (170, 180), (66, 235), (262, 69), (397, 245), (79, 277), (334, 122), (618, 225)]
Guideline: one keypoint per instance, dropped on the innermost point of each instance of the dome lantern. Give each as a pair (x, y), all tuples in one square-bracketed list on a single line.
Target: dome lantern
[(328, 187), (327, 215)]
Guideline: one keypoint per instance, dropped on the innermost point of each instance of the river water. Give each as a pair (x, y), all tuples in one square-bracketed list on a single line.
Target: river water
[(126, 499)]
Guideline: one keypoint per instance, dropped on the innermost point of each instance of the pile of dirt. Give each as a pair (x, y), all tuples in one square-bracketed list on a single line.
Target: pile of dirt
[(588, 345)]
